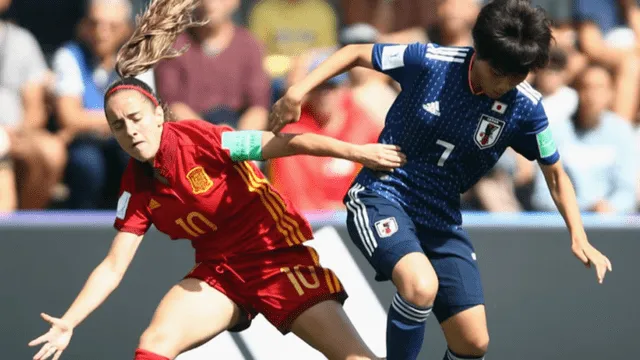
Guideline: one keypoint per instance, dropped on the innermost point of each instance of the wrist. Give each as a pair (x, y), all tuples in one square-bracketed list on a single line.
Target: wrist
[(295, 94), (355, 153), (578, 236), (70, 322)]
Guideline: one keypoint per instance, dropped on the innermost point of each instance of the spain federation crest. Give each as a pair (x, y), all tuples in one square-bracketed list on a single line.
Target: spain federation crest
[(199, 180), (488, 131)]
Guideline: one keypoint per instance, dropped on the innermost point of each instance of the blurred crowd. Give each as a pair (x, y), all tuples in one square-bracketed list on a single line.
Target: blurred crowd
[(57, 58)]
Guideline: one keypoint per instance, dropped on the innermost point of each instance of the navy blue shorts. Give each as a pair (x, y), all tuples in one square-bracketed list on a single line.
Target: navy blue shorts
[(384, 233)]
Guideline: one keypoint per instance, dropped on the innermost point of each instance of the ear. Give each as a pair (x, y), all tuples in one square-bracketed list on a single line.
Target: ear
[(159, 115)]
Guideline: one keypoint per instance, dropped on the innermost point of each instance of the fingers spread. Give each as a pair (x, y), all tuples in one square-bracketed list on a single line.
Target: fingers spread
[(38, 341)]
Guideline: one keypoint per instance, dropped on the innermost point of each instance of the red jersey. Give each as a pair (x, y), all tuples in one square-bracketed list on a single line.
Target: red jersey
[(223, 207)]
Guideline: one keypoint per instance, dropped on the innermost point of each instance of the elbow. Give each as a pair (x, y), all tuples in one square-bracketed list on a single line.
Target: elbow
[(361, 53), (113, 270)]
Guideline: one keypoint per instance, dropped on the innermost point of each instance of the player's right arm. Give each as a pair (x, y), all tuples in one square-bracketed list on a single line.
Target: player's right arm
[(132, 222), (103, 280), (394, 60), (264, 145)]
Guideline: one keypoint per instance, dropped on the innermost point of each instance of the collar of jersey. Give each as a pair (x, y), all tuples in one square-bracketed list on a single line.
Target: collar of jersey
[(167, 150), (473, 59)]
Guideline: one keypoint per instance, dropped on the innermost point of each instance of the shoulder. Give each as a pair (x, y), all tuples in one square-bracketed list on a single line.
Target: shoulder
[(66, 58), (246, 38), (527, 94), (18, 33), (617, 124), (447, 54), (182, 40), (69, 51), (195, 132)]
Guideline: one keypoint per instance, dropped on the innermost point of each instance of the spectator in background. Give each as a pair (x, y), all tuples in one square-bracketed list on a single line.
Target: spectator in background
[(598, 151), (289, 28), (377, 13), (31, 159), (221, 77), (83, 70), (559, 100), (51, 22), (372, 91), (453, 23), (320, 183), (608, 33)]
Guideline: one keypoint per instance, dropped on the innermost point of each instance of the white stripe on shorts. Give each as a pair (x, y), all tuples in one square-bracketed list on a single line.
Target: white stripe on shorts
[(361, 219)]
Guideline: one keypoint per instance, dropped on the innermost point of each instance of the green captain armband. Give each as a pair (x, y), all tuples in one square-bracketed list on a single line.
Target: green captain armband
[(243, 145), (546, 145)]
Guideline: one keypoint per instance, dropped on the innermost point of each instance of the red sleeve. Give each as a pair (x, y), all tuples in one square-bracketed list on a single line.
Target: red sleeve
[(209, 135), (132, 213)]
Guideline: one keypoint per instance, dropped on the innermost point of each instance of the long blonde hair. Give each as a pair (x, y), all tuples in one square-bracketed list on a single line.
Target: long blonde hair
[(155, 33)]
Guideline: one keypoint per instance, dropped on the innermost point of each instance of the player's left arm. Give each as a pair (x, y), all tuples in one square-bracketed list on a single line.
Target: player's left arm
[(263, 145), (536, 143)]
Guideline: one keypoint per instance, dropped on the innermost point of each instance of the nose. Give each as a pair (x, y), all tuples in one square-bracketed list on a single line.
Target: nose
[(132, 129)]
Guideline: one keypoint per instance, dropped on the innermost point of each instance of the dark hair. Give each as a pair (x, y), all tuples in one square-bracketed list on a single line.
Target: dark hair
[(168, 115), (152, 41), (512, 36)]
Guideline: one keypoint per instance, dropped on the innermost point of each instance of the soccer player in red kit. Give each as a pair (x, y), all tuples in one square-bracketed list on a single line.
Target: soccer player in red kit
[(196, 181)]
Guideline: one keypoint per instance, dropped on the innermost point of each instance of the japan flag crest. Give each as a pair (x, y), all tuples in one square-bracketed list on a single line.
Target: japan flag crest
[(499, 107)]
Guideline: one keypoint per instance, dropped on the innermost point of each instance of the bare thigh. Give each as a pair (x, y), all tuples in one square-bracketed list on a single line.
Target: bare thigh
[(190, 314), (326, 327)]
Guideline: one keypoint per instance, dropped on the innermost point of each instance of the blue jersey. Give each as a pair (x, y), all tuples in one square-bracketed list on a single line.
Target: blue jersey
[(451, 136)]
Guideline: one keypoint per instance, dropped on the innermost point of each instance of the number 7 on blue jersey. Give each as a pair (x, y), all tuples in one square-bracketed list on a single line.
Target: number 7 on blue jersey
[(448, 149)]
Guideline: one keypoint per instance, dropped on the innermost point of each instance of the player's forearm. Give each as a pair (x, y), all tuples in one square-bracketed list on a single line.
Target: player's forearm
[(564, 197), (339, 62), (307, 144), (102, 281)]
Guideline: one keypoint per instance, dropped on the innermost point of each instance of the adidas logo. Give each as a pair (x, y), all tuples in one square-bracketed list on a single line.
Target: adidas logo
[(432, 108)]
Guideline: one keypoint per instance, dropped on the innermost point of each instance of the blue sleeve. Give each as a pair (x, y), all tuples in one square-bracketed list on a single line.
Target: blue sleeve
[(401, 62), (535, 141), (625, 174)]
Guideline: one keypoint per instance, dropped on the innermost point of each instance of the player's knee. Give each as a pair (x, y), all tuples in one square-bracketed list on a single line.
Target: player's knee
[(158, 340), (476, 346), (420, 291)]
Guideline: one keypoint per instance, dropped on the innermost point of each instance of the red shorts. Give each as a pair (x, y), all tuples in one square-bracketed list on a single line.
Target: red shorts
[(279, 284)]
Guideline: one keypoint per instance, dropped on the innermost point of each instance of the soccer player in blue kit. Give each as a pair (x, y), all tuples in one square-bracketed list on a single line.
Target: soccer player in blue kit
[(458, 111)]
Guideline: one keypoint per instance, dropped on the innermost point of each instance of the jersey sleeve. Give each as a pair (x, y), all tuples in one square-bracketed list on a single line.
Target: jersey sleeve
[(211, 136), (535, 141), (132, 213), (401, 62)]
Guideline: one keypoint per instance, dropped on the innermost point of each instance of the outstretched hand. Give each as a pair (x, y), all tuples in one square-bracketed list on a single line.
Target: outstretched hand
[(55, 340)]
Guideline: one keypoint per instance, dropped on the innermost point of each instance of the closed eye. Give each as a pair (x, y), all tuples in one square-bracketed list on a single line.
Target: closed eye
[(117, 125)]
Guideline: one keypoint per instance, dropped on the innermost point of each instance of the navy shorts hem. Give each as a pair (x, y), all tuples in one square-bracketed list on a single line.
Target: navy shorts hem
[(444, 314), (386, 261)]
